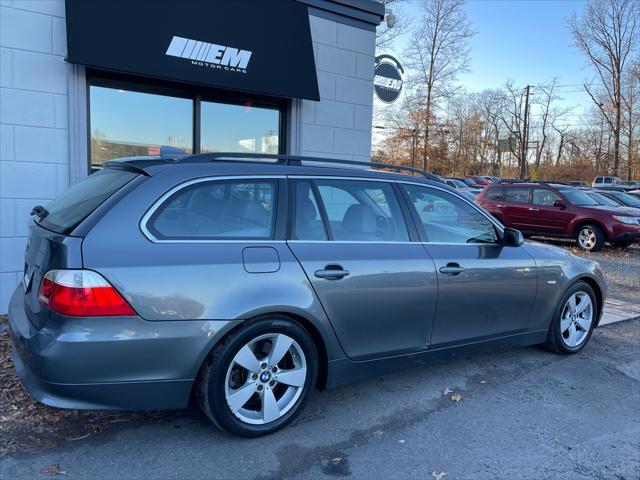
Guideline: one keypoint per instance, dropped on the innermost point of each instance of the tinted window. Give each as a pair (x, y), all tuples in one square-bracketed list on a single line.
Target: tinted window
[(218, 210), (603, 199), (576, 197), (516, 194), (494, 193), (307, 223), (608, 180), (627, 199), (448, 219), (598, 179), (542, 196), (362, 211), (76, 203)]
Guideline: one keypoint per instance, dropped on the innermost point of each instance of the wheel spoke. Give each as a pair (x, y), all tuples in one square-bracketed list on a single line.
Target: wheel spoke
[(270, 409), (585, 323), (565, 323), (573, 336), (572, 304), (247, 359), (295, 377), (240, 396), (585, 302), (281, 345)]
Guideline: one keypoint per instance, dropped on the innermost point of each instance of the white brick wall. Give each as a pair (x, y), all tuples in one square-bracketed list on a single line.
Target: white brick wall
[(339, 126), (34, 145)]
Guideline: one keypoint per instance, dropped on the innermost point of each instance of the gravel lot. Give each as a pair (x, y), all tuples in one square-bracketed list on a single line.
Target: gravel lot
[(523, 413)]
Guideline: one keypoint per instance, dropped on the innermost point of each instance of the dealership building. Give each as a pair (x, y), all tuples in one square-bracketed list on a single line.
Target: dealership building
[(85, 81)]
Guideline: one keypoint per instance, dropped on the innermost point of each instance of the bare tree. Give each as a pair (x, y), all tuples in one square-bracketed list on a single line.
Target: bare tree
[(631, 114), (607, 35), (513, 120), (436, 54)]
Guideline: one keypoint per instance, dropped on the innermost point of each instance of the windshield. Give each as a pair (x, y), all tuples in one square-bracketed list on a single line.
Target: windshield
[(627, 199), (576, 197), (603, 200), (458, 183), (76, 203)]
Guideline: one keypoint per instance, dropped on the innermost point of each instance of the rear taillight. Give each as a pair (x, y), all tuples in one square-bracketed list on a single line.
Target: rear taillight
[(81, 293)]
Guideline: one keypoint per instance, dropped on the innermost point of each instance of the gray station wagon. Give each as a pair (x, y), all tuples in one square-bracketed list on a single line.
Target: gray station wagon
[(249, 280)]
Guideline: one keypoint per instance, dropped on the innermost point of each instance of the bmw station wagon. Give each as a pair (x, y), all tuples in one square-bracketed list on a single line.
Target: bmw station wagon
[(249, 280)]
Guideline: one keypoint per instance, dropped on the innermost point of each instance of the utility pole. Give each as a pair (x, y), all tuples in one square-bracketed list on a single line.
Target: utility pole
[(525, 135)]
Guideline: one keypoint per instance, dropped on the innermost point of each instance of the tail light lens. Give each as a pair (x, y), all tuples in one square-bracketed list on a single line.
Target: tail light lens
[(81, 293)]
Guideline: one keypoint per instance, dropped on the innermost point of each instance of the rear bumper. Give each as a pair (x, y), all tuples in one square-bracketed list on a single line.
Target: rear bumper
[(122, 363)]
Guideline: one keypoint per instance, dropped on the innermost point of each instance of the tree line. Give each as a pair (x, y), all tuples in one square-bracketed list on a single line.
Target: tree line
[(518, 131)]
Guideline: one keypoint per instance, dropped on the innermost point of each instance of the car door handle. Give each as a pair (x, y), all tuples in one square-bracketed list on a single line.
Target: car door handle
[(500, 206), (332, 272), (531, 209), (452, 269)]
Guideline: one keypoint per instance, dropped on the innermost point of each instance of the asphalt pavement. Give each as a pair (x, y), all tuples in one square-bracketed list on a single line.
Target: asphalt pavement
[(524, 413)]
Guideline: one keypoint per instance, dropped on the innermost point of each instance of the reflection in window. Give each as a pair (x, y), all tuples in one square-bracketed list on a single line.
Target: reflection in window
[(129, 124), (239, 128)]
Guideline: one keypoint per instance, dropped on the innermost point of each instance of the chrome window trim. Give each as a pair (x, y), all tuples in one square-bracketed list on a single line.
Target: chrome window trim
[(151, 210), (155, 205)]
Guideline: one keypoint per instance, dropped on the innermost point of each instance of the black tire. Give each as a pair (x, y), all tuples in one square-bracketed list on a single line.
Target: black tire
[(555, 341), (597, 233), (210, 386)]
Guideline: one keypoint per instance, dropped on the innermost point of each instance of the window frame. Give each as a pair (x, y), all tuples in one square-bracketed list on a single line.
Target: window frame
[(196, 93), (420, 227), (277, 223)]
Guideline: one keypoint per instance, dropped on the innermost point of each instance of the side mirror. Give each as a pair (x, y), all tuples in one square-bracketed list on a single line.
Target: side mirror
[(512, 237), (559, 204)]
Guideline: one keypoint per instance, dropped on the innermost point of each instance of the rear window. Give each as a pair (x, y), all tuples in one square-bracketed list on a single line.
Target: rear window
[(67, 211)]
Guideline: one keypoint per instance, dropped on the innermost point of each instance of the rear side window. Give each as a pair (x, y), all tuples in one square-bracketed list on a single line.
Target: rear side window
[(358, 211), (598, 179), (233, 209), (608, 180), (75, 204), (516, 194), (494, 193)]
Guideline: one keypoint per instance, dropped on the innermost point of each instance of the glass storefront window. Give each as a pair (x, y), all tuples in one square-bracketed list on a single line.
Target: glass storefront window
[(125, 123), (239, 128)]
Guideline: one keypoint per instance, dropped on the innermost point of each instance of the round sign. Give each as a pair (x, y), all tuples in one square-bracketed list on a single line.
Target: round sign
[(387, 80)]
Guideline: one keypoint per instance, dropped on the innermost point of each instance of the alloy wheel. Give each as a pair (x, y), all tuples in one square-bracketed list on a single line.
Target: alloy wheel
[(587, 238), (576, 319), (265, 378)]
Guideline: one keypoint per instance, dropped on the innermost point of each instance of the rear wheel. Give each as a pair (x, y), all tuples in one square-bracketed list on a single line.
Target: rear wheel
[(574, 321), (590, 238), (259, 378)]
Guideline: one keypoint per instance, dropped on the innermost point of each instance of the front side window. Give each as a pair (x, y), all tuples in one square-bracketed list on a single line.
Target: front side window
[(608, 180), (449, 219), (235, 209), (544, 197), (362, 211), (494, 193), (516, 194)]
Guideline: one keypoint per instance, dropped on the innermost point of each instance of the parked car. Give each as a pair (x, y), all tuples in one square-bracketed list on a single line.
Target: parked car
[(576, 183), (470, 182), (249, 283), (603, 181), (607, 201), (559, 211), (623, 198), (480, 179), (456, 183), (462, 188)]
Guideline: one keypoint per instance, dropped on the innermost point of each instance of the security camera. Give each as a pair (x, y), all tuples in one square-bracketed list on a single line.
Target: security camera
[(390, 17)]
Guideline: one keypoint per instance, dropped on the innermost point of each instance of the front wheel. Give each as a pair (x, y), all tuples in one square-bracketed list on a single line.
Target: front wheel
[(590, 238), (574, 320), (259, 378)]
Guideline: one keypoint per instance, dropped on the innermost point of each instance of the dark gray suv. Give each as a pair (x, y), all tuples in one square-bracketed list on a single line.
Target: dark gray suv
[(249, 280)]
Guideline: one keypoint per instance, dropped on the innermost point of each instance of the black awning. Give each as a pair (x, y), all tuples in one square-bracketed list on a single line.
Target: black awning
[(249, 45)]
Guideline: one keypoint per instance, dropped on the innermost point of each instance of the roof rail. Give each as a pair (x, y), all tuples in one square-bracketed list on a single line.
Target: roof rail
[(297, 160)]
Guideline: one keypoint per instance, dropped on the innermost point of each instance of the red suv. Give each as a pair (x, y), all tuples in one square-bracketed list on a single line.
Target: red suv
[(559, 211), (480, 180)]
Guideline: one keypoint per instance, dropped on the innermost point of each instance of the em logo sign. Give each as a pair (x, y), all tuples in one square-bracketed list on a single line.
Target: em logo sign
[(387, 80), (205, 54)]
